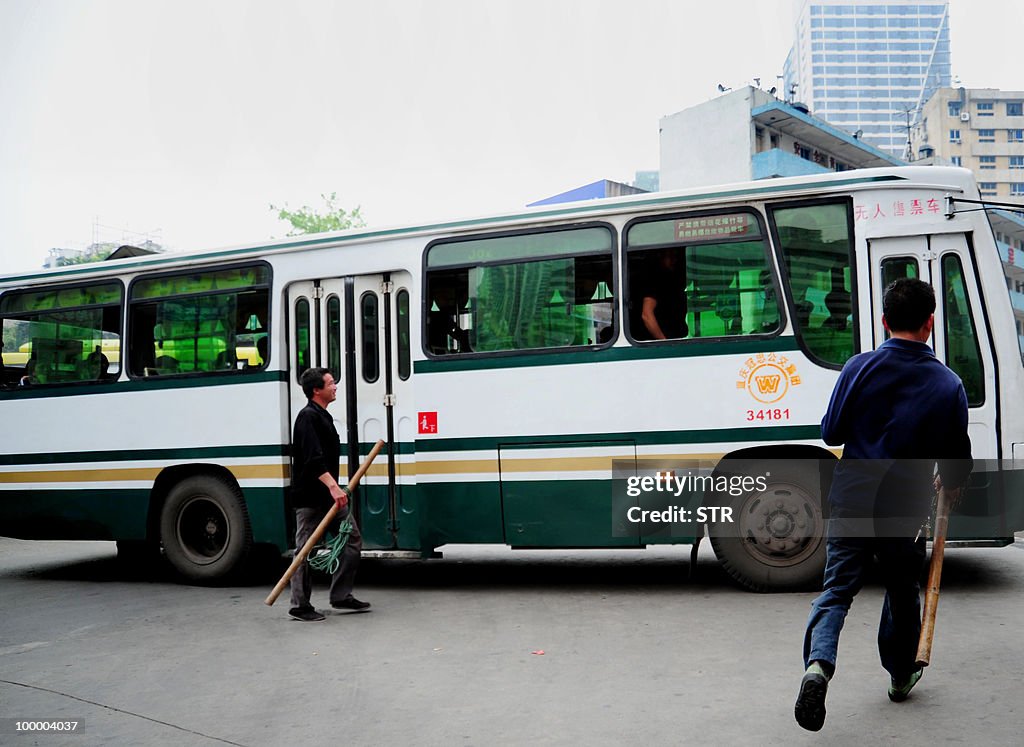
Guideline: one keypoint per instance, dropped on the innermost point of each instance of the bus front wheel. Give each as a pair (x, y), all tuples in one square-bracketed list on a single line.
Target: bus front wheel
[(204, 528), (776, 538)]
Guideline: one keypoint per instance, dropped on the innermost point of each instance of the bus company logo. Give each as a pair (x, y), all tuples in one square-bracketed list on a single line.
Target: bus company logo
[(768, 377), (768, 385)]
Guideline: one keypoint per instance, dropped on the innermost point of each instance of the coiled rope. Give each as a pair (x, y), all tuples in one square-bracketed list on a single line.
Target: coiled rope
[(327, 556)]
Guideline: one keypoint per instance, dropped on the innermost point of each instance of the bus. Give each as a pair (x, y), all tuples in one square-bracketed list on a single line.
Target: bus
[(506, 364)]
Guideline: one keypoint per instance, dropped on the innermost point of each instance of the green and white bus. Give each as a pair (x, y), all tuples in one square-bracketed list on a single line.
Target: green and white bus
[(505, 363)]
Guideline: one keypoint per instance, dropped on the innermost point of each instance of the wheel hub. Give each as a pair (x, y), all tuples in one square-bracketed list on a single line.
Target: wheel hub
[(202, 530), (781, 525)]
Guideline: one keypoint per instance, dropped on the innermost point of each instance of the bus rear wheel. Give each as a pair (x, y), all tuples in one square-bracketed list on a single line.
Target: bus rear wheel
[(204, 528), (776, 539)]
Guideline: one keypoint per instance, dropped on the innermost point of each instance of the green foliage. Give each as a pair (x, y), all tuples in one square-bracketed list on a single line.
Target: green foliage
[(94, 253), (310, 220)]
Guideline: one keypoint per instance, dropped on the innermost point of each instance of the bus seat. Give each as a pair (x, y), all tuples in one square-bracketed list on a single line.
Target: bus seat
[(167, 364), (839, 304), (804, 309)]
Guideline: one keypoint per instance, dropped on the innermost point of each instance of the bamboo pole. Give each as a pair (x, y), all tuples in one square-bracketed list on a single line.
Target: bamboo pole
[(931, 597)]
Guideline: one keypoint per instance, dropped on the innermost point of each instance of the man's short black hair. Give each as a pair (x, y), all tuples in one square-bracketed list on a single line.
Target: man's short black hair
[(907, 304), (312, 378)]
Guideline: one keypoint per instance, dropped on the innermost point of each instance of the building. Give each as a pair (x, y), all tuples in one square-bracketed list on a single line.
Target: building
[(981, 129), (749, 134), (869, 66), (593, 191), (649, 181)]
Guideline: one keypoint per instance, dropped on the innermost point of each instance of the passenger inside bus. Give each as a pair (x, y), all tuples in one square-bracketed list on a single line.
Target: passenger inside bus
[(824, 318), (166, 364), (661, 292), (29, 375), (95, 366)]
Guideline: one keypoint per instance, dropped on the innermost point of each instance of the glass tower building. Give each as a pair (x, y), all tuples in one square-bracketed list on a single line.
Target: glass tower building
[(868, 66)]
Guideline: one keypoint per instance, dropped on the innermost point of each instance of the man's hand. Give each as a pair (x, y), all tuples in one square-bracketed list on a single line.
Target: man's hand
[(340, 496), (953, 495)]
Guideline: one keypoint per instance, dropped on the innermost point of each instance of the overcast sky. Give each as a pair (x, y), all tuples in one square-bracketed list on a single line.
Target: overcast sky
[(188, 118)]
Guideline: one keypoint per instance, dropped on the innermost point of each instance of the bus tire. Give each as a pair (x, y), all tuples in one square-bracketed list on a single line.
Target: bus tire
[(204, 528), (776, 541)]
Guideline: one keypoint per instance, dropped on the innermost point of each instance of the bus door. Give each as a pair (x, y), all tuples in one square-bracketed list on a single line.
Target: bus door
[(961, 338), (359, 329)]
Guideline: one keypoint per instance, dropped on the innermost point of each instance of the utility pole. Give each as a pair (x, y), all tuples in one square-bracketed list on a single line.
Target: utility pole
[(910, 150)]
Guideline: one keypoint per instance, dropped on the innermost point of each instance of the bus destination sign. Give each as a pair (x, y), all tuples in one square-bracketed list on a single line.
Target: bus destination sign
[(713, 227)]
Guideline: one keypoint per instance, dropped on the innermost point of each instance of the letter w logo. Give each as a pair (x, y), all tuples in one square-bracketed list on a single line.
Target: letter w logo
[(768, 384)]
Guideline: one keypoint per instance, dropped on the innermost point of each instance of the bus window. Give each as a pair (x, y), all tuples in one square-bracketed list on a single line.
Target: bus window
[(894, 268), (699, 276), (334, 337), (62, 335), (816, 242), (528, 291), (303, 359), (962, 352), (368, 306), (404, 344), (197, 322)]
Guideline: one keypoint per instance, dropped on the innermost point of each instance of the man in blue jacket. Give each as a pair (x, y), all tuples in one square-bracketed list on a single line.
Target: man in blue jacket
[(896, 411)]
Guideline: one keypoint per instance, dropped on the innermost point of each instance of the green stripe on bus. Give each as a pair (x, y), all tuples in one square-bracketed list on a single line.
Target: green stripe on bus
[(143, 385), (401, 448), (147, 455), (194, 453), (610, 355), (119, 514), (653, 438), (599, 206)]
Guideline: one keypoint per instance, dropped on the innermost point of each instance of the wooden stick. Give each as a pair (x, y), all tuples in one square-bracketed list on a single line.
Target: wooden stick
[(300, 555), (931, 597)]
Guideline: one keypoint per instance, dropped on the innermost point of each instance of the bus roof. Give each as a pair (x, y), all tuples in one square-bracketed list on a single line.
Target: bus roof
[(938, 177)]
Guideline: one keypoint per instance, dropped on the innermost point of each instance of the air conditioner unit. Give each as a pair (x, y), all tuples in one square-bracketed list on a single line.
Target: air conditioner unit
[(965, 116), (956, 142)]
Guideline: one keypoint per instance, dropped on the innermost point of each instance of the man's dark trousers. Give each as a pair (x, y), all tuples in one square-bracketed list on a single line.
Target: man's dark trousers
[(848, 560), (343, 580)]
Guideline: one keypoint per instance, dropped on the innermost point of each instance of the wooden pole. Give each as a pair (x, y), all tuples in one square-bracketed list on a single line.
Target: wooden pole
[(931, 597), (300, 555)]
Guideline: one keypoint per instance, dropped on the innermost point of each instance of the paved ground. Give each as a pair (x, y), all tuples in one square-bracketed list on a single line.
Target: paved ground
[(633, 652)]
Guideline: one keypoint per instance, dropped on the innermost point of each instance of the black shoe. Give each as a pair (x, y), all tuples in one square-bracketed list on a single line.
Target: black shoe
[(810, 703), (305, 614), (351, 603)]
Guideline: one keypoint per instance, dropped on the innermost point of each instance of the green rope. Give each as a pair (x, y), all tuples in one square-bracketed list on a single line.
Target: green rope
[(327, 555)]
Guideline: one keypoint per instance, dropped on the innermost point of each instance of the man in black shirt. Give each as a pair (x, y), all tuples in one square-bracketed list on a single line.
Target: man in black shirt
[(316, 454)]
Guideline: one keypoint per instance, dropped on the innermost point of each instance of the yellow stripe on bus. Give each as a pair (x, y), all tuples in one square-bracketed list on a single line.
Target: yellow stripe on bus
[(137, 474)]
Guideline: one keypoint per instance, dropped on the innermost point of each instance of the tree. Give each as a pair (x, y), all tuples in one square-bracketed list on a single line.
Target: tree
[(310, 220), (96, 252), (92, 253)]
